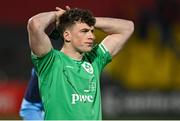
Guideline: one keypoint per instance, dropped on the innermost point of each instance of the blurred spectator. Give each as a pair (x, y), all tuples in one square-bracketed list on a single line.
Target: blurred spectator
[(31, 107), (145, 15), (167, 13), (164, 13)]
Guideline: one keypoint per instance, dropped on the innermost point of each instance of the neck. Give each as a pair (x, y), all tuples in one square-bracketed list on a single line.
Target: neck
[(72, 53)]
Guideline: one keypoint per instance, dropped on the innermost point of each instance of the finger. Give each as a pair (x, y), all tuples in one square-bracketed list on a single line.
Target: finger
[(58, 9), (68, 8)]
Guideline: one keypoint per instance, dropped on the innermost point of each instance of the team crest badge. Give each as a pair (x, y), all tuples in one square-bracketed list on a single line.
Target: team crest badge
[(88, 67)]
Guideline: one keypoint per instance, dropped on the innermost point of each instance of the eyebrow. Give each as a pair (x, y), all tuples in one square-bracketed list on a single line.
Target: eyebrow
[(87, 29)]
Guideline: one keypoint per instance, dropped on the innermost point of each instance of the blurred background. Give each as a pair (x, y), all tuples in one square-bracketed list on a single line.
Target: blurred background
[(142, 82)]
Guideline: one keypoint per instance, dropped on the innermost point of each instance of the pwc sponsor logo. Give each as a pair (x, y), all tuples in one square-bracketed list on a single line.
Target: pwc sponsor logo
[(81, 98)]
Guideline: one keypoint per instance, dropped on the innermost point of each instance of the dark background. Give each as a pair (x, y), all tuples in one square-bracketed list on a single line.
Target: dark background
[(142, 82)]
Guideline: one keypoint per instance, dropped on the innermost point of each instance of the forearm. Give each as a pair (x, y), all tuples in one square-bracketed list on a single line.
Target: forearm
[(118, 31), (43, 20), (113, 25), (39, 41)]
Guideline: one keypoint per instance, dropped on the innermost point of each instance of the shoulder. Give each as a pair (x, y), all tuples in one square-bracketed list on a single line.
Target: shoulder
[(98, 49), (52, 52)]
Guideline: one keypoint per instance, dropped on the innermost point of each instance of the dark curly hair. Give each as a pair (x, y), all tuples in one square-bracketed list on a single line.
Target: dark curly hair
[(72, 16)]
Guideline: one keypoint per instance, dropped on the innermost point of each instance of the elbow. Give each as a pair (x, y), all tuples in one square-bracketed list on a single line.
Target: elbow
[(33, 24), (131, 26), (128, 28)]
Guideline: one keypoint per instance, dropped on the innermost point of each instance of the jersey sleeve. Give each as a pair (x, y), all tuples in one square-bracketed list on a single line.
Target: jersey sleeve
[(44, 63), (100, 55), (44, 66)]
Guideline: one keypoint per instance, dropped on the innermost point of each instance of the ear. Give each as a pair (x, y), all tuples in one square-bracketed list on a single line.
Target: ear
[(67, 36)]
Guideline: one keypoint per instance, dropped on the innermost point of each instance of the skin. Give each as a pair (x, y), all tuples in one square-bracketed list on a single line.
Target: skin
[(79, 38)]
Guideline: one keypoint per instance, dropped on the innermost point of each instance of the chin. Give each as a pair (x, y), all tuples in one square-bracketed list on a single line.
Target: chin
[(88, 50)]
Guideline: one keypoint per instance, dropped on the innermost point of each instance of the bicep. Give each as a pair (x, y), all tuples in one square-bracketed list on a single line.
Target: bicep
[(115, 42), (39, 41)]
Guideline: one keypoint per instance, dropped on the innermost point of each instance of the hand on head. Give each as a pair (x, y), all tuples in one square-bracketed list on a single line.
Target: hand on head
[(58, 8), (59, 12)]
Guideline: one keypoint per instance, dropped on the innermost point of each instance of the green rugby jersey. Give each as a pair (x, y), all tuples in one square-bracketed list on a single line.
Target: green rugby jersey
[(70, 89)]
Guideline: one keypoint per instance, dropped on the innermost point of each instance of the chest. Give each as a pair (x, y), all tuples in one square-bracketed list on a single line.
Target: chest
[(81, 77)]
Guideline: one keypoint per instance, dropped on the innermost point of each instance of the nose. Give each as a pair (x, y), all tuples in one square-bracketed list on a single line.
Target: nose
[(91, 35)]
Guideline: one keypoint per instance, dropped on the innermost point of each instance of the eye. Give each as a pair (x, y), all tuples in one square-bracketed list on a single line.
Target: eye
[(92, 30), (85, 30)]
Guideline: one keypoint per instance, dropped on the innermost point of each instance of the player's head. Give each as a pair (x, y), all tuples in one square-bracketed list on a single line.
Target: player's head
[(76, 28)]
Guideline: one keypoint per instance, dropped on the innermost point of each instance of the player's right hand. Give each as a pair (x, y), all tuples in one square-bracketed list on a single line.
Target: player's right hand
[(59, 12)]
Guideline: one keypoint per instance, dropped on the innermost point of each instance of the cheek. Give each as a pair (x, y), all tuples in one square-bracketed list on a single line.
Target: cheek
[(76, 42), (78, 39)]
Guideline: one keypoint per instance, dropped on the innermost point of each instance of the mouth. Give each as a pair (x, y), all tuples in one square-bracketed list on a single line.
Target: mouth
[(89, 43)]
